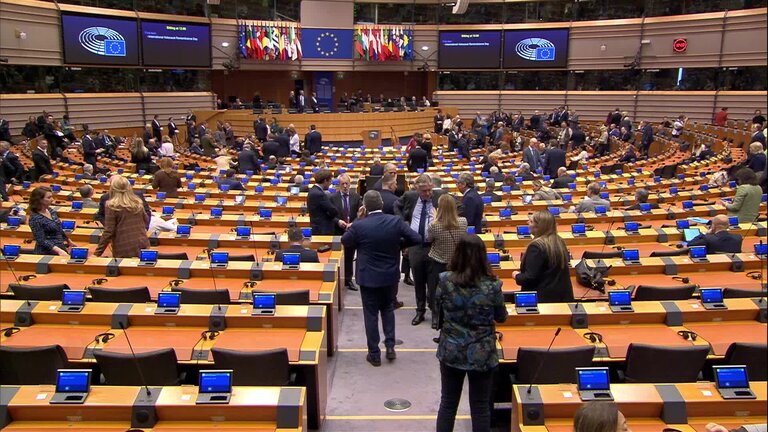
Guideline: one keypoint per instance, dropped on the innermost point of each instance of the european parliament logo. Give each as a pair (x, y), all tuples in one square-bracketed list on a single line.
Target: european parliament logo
[(103, 41), (536, 49)]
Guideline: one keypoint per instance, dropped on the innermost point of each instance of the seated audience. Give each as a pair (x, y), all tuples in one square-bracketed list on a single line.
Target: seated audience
[(641, 197), (86, 196), (756, 158), (230, 180), (544, 193), (563, 179), (718, 239), (746, 203), (490, 187), (45, 224), (296, 238), (592, 200)]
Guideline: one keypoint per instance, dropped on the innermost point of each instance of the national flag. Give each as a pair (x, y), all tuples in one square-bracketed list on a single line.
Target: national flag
[(384, 45), (359, 41), (281, 39), (243, 47), (265, 42), (292, 43), (275, 42), (366, 43), (407, 44), (256, 42), (299, 54), (396, 44), (247, 42)]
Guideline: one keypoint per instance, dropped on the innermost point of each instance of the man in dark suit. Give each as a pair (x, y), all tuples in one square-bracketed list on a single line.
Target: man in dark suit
[(12, 166), (462, 147), (453, 139), (313, 140), (323, 216), (377, 169), (531, 155), (313, 103), (248, 159), (473, 204), (298, 182), (157, 130), (296, 237), (347, 202), (261, 129), (41, 160), (718, 239), (563, 179), (230, 181), (388, 197), (5, 130), (271, 147), (490, 187), (417, 208), (202, 130), (90, 150), (647, 139), (300, 102), (554, 161), (378, 238), (284, 145), (417, 159), (173, 131), (641, 197)]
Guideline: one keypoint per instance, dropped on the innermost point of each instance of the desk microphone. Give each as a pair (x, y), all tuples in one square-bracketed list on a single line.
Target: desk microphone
[(28, 304), (218, 322), (135, 360), (541, 363)]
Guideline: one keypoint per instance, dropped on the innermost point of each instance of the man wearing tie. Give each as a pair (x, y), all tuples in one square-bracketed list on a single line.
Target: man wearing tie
[(417, 209), (157, 130), (173, 132), (473, 204), (531, 155), (347, 202)]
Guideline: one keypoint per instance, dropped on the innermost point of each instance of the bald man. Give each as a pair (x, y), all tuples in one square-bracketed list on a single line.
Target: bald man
[(718, 239)]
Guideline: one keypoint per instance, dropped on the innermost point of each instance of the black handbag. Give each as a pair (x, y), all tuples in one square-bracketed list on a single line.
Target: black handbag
[(591, 277)]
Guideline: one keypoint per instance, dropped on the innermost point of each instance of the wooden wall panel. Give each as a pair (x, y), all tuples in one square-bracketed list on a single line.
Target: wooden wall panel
[(654, 106), (620, 41), (17, 108), (594, 106), (530, 101), (40, 21), (470, 103), (175, 105), (745, 41), (742, 105), (104, 110), (704, 38)]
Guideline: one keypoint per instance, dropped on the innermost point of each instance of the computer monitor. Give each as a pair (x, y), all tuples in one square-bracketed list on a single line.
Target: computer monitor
[(761, 249), (68, 225), (732, 382), (265, 213), (487, 199), (688, 205), (505, 188), (733, 221), (673, 190), (579, 230), (523, 231), (572, 186), (72, 386), (555, 211), (291, 260), (72, 300), (712, 298), (263, 303), (168, 210), (183, 230), (240, 199), (215, 387), (295, 190), (620, 300), (470, 230), (645, 207), (630, 182), (631, 227), (630, 256), (243, 232), (199, 198), (600, 210), (527, 199), (168, 302), (13, 222), (219, 259), (690, 234), (698, 254), (494, 259), (56, 188), (216, 212), (526, 302), (78, 255), (160, 196), (505, 213), (567, 197), (281, 200), (224, 187), (682, 224), (306, 232), (604, 195), (77, 205), (11, 251), (593, 383), (148, 257)]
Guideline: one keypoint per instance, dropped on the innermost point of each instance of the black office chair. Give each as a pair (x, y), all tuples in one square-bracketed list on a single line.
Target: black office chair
[(554, 367), (159, 368), (648, 292), (296, 297), (668, 171), (120, 295), (248, 257), (203, 296), (754, 356), (173, 256), (32, 366), (670, 253), (601, 255), (742, 293), (664, 364), (39, 292), (255, 368)]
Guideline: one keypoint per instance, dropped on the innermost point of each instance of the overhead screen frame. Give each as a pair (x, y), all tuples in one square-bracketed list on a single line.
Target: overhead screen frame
[(441, 48), (187, 23), (67, 14)]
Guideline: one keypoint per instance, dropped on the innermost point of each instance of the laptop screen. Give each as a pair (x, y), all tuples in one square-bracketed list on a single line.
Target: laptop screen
[(14, 221), (306, 232), (683, 224), (761, 249), (470, 230), (698, 252), (526, 299), (555, 211), (733, 220), (73, 297), (731, 376), (294, 190), (68, 225), (690, 234), (567, 197), (219, 257), (281, 200), (77, 205), (73, 381), (494, 258), (593, 378), (600, 209), (10, 250), (215, 381), (265, 213), (711, 295), (673, 190), (183, 229), (168, 299), (578, 228), (619, 298), (527, 199), (216, 211), (240, 199), (645, 207), (199, 197), (631, 226), (147, 255), (631, 255), (291, 259), (604, 195), (523, 230), (487, 199), (687, 205), (79, 253), (264, 300), (243, 231), (168, 210), (505, 213), (161, 195)]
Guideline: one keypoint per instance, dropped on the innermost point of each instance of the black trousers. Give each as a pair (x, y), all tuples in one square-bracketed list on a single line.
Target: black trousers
[(452, 380), (420, 262), (435, 268), (378, 300), (349, 262)]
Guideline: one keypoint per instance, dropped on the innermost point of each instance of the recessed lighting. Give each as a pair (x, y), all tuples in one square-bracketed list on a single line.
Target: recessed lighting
[(424, 48), (225, 44)]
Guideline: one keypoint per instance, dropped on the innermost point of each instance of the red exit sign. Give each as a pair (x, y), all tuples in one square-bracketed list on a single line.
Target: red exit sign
[(680, 45)]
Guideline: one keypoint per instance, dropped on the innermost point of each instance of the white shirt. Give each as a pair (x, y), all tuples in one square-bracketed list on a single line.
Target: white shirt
[(446, 124), (294, 143), (158, 224), (416, 218), (166, 149)]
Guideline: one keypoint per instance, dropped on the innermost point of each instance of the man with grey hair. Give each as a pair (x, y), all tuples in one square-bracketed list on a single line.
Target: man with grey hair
[(472, 203), (389, 168), (347, 202), (378, 237), (641, 197), (86, 196), (88, 172), (532, 155), (490, 187), (592, 200), (298, 182)]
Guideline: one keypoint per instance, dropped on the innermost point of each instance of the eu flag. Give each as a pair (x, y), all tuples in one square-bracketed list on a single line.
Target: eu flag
[(114, 47), (327, 43)]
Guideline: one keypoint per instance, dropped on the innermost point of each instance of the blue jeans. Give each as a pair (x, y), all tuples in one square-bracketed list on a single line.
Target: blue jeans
[(378, 300), (479, 398)]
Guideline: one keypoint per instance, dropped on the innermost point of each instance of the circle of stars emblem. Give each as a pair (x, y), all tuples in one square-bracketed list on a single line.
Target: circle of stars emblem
[(322, 50)]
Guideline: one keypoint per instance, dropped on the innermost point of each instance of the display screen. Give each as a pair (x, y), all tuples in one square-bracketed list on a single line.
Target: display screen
[(73, 381), (79, 253), (291, 259), (215, 381), (593, 379), (68, 225), (11, 250), (306, 232), (645, 207), (687, 205), (147, 255), (556, 211), (527, 199), (600, 209), (631, 226), (631, 254), (761, 249), (567, 197), (690, 234), (77, 205), (699, 252), (219, 257), (526, 299), (265, 213), (216, 211), (523, 230), (264, 301), (733, 221), (73, 297), (578, 229), (240, 199), (99, 40), (199, 197), (619, 298), (281, 201), (168, 299), (243, 231), (711, 295), (175, 44), (14, 221), (683, 224), (183, 229), (469, 49), (470, 230), (168, 210), (731, 377), (494, 258), (160, 196)]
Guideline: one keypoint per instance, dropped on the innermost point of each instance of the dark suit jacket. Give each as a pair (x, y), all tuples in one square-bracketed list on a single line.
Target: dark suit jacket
[(157, 130), (284, 145), (12, 166), (307, 255), (355, 201), (172, 129), (405, 205), (473, 209), (647, 136), (313, 142), (636, 206), (389, 199), (721, 242), (323, 215), (234, 185), (532, 157), (494, 196), (271, 148), (555, 160), (42, 163), (247, 160), (562, 182), (378, 239), (89, 150), (417, 159), (376, 170), (261, 129)]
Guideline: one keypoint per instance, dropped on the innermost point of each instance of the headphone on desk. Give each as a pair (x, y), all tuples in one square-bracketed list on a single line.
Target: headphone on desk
[(99, 281), (10, 331), (688, 335), (756, 275), (593, 337), (27, 277), (209, 335), (104, 337), (683, 279)]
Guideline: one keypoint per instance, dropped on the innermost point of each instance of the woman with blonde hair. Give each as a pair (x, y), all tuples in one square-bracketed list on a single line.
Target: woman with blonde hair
[(166, 179), (544, 267), (125, 224), (140, 155), (444, 233)]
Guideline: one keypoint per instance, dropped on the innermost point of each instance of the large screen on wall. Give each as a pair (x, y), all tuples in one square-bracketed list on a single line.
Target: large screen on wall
[(99, 40), (536, 49), (175, 44), (469, 49)]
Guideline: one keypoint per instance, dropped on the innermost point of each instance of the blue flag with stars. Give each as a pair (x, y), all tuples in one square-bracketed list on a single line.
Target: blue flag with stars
[(327, 43)]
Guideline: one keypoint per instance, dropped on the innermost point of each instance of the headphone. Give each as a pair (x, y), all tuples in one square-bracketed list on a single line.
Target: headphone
[(688, 335), (28, 241), (104, 337), (756, 275), (99, 281), (609, 281), (683, 279), (249, 284), (175, 282), (593, 337), (27, 277), (9, 331), (209, 335), (618, 248)]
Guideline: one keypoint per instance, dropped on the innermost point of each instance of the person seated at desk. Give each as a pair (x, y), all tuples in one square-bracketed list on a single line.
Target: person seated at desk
[(600, 416), (641, 197), (296, 237), (543, 193), (490, 187), (496, 174), (86, 196), (166, 179), (230, 180), (718, 239), (50, 238), (298, 182), (195, 148), (756, 159), (592, 200), (525, 172)]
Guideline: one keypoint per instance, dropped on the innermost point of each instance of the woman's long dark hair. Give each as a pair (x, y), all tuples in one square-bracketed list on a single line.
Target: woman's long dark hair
[(36, 198), (469, 263)]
